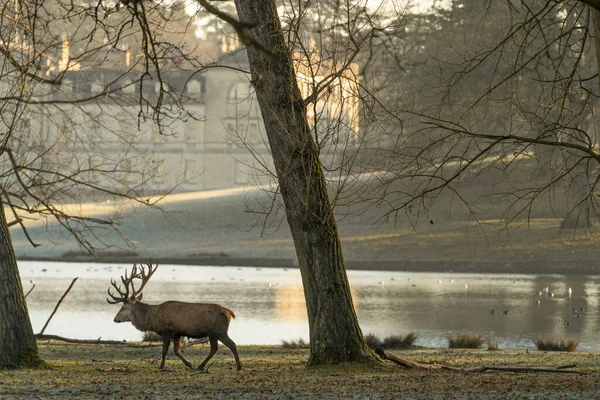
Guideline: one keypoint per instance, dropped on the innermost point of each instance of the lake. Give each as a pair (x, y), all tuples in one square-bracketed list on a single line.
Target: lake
[(269, 303)]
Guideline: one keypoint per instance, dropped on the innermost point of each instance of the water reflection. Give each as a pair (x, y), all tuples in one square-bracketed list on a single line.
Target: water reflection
[(269, 303)]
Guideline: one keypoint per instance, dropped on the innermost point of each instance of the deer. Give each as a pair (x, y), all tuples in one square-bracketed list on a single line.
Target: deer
[(172, 320)]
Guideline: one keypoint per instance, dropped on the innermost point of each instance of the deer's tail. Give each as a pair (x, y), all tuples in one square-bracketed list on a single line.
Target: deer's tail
[(228, 311)]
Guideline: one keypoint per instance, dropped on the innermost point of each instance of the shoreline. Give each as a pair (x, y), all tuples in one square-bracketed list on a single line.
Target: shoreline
[(570, 267)]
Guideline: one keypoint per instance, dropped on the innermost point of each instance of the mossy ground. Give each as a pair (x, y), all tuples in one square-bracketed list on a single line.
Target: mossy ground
[(112, 372)]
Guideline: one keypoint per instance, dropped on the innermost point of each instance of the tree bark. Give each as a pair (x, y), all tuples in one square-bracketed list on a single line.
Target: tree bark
[(18, 348), (596, 30), (335, 335)]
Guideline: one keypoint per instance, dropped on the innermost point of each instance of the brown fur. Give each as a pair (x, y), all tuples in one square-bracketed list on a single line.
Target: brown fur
[(176, 319)]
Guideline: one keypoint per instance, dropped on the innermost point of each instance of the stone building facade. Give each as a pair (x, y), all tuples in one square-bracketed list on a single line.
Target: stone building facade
[(215, 141)]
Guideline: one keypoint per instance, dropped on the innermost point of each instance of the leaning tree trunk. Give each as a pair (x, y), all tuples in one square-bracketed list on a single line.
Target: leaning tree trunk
[(335, 335), (18, 348)]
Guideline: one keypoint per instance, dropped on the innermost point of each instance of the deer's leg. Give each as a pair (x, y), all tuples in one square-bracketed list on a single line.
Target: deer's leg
[(166, 342), (177, 339), (214, 345), (231, 344)]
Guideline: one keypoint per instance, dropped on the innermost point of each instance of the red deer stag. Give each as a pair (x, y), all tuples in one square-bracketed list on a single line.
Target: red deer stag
[(172, 319)]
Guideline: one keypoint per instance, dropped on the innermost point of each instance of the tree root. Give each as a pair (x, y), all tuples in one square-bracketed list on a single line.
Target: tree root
[(403, 361), (411, 364)]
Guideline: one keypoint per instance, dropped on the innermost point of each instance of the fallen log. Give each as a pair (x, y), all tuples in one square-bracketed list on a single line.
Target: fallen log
[(411, 364), (41, 336), (483, 368)]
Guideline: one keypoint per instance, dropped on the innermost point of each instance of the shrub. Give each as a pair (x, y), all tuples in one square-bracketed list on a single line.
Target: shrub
[(100, 255), (391, 342), (551, 344), (399, 342), (150, 336), (295, 344), (372, 340), (492, 345), (465, 341)]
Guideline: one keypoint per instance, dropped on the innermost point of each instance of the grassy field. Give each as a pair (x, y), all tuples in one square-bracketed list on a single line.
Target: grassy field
[(218, 228), (271, 372)]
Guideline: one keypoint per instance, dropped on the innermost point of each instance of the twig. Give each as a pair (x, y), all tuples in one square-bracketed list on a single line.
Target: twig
[(30, 290), (57, 305)]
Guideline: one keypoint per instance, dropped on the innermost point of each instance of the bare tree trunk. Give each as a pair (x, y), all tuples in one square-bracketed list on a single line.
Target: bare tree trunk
[(335, 335), (18, 348), (596, 23)]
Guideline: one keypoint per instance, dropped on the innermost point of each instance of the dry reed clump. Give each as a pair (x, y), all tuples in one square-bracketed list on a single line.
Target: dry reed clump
[(391, 342), (465, 341), (492, 345), (295, 344), (551, 344)]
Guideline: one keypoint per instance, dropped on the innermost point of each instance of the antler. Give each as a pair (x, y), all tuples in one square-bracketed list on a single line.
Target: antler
[(123, 294)]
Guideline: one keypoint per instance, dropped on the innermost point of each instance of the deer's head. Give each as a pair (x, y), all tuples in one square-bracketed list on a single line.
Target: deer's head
[(129, 295)]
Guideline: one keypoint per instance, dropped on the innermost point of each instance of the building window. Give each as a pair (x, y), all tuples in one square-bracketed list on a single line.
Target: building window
[(96, 130), (243, 171), (189, 171), (253, 132), (127, 129), (193, 87), (157, 87), (95, 162), (67, 86), (156, 136), (240, 92), (159, 170), (96, 88), (127, 175), (230, 126), (191, 130), (63, 130), (128, 87)]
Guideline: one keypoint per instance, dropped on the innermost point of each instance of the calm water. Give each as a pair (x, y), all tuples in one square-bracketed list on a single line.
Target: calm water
[(269, 303)]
